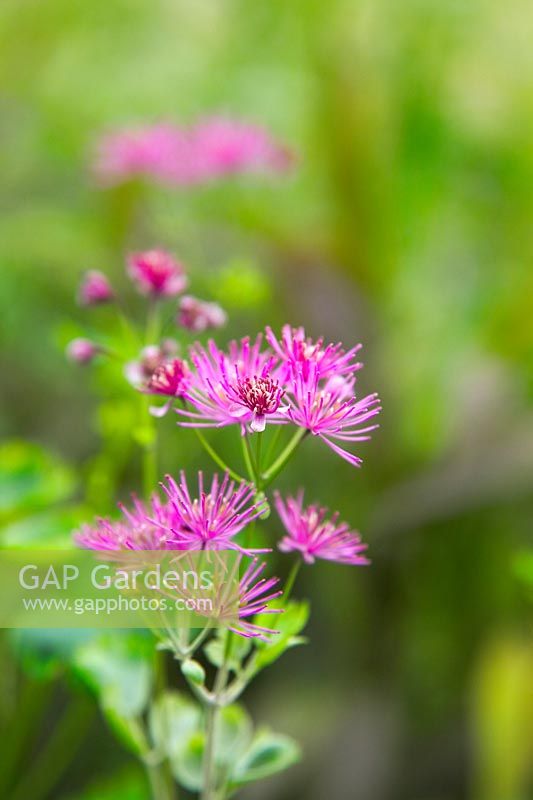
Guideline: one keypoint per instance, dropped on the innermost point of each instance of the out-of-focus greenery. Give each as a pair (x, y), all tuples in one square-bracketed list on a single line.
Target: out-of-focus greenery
[(406, 225)]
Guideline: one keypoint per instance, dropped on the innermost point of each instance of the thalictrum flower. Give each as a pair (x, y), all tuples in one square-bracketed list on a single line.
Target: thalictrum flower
[(238, 387), (95, 289), (170, 380), (298, 351), (314, 534), (330, 414), (143, 527), (235, 602), (181, 156), (139, 372), (82, 351), (156, 273), (213, 519), (198, 316)]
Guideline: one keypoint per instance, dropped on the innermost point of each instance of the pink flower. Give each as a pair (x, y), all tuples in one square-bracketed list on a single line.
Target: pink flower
[(298, 351), (213, 519), (139, 372), (170, 380), (82, 351), (313, 535), (234, 602), (238, 387), (156, 273), (333, 415), (161, 151), (181, 156), (95, 289), (255, 593), (197, 315), (141, 528), (223, 146)]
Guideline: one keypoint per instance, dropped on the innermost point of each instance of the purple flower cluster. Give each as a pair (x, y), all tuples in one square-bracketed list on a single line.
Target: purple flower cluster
[(183, 156)]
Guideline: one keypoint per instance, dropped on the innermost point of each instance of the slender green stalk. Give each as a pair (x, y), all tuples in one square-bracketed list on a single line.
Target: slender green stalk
[(162, 784), (249, 460), (209, 791), (258, 458), (149, 454), (293, 574), (216, 458), (153, 326), (273, 471)]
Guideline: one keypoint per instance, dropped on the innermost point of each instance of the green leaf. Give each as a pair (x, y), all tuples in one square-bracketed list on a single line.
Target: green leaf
[(118, 668), (31, 478), (43, 653), (233, 734), (187, 766), (289, 624), (523, 567), (48, 530), (268, 754), (215, 648), (173, 719)]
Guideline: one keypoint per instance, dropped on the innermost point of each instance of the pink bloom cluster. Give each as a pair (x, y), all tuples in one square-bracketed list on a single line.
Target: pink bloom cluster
[(292, 380), (184, 156), (159, 276), (312, 534)]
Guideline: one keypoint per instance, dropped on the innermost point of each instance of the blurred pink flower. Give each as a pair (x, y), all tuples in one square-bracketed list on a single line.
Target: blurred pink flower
[(333, 415), (82, 351), (298, 351), (156, 273), (181, 156), (313, 535), (95, 289), (224, 146), (212, 520), (197, 316), (238, 387)]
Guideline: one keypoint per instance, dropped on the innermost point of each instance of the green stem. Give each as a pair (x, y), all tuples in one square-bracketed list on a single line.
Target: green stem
[(162, 784), (293, 574), (273, 471), (153, 326), (210, 791), (249, 459), (216, 458), (258, 459)]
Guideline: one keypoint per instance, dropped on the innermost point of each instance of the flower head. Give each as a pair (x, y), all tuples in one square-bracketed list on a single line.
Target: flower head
[(151, 357), (95, 289), (197, 315), (298, 351), (212, 520), (170, 380), (182, 156), (332, 413), (223, 146), (156, 273), (313, 534), (237, 387), (233, 601), (82, 351), (141, 528)]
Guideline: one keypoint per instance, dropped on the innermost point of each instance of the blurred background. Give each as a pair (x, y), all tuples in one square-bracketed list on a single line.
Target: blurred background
[(406, 225)]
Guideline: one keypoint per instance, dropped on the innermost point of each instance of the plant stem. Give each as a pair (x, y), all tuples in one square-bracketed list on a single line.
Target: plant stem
[(161, 787), (152, 329), (273, 471), (149, 456), (293, 574), (216, 458), (209, 791), (249, 459)]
